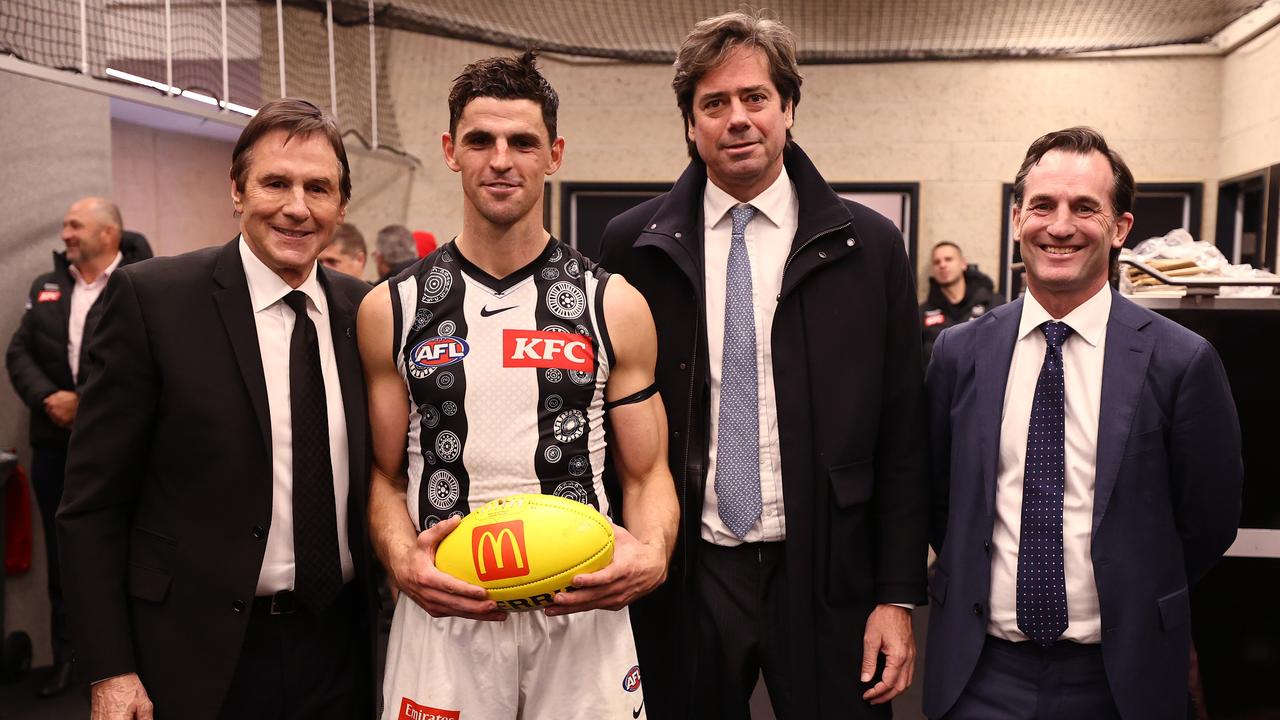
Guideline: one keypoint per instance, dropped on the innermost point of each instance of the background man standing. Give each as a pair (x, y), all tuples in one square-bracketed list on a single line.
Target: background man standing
[(347, 252), (395, 251), (957, 293), (46, 361), (789, 357), (1087, 470), (212, 527)]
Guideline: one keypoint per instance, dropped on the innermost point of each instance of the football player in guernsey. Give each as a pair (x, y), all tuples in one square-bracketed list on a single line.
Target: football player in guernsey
[(492, 365)]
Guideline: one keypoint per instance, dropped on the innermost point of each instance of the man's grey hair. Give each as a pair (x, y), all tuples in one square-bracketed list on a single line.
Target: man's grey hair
[(395, 244)]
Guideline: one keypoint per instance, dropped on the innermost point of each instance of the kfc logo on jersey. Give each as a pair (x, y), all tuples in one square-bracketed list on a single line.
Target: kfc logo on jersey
[(410, 710), (532, 348), (439, 351), (49, 296), (933, 317)]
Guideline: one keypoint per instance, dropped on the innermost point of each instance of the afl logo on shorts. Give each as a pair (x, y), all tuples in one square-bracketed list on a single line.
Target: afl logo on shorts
[(439, 351), (631, 682)]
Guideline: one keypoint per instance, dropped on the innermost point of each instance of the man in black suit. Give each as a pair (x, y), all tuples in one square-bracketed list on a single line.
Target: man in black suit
[(213, 522), (789, 364), (46, 361)]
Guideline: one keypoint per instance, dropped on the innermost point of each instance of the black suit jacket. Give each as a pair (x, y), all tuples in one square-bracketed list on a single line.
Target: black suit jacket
[(1166, 498), (851, 425), (168, 487)]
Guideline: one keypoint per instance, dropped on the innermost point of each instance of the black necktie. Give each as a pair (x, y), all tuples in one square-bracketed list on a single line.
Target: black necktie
[(1042, 588), (318, 570)]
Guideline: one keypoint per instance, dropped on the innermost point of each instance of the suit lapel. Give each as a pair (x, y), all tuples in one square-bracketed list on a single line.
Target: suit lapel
[(994, 345), (1124, 372), (236, 311)]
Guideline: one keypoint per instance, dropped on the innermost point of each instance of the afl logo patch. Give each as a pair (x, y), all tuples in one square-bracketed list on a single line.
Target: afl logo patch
[(439, 351), (631, 682)]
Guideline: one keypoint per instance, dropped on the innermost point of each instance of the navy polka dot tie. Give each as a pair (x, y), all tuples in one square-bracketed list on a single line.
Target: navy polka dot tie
[(738, 436), (1042, 585)]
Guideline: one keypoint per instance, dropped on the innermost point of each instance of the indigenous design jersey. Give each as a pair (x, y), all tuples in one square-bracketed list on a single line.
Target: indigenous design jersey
[(506, 380)]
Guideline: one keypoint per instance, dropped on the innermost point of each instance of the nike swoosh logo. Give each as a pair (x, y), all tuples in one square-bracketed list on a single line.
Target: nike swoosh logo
[(486, 312), (636, 713)]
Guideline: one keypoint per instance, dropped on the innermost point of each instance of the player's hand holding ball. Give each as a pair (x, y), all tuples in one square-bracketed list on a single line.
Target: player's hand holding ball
[(441, 594)]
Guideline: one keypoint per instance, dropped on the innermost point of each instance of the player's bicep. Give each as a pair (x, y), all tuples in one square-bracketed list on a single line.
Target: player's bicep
[(388, 396), (636, 412)]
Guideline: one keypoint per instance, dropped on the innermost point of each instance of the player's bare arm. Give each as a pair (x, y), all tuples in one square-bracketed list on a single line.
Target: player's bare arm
[(409, 556), (638, 446)]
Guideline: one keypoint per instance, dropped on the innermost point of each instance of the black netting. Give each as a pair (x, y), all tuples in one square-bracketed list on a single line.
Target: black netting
[(829, 31), (129, 37)]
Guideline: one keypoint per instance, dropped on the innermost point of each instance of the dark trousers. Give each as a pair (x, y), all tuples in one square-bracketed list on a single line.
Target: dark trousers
[(48, 467), (1022, 681), (297, 665), (742, 629)]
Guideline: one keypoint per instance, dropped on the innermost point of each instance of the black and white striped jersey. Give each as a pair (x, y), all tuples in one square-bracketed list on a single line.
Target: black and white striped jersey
[(506, 380)]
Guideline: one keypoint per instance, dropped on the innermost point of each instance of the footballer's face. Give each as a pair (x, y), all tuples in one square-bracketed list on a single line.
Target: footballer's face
[(504, 153)]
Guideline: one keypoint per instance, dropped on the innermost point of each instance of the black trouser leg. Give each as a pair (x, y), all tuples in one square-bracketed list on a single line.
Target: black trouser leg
[(48, 467), (741, 629)]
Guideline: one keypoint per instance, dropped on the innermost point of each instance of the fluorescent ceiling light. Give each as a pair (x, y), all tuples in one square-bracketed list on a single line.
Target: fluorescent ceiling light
[(173, 90)]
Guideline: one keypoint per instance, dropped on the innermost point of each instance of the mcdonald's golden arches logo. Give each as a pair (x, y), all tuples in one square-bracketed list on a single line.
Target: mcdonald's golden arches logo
[(499, 551)]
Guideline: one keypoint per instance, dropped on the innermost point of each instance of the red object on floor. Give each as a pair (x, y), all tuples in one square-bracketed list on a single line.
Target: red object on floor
[(17, 524)]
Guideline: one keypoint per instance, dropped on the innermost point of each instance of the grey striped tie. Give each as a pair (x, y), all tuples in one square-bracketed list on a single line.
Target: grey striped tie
[(738, 440)]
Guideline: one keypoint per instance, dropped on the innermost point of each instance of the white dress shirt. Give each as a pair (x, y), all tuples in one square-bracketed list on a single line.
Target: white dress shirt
[(768, 238), (1082, 355), (274, 321), (83, 296)]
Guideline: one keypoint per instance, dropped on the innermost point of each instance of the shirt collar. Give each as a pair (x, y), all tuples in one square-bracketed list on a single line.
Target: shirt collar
[(1088, 320), (772, 203), (75, 271), (266, 288)]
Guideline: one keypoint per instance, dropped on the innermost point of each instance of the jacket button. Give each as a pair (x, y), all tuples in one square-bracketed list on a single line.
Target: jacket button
[(684, 366), (259, 532), (677, 236), (977, 609), (675, 433), (653, 226), (986, 547), (849, 242), (237, 607), (822, 254)]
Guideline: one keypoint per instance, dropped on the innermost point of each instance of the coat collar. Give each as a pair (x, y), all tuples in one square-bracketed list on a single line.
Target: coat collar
[(676, 226)]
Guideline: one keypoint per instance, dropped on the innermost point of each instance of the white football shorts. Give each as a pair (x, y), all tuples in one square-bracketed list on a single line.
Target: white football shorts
[(572, 667)]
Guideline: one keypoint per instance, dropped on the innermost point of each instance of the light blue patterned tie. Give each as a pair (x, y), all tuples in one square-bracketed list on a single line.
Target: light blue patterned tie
[(738, 439)]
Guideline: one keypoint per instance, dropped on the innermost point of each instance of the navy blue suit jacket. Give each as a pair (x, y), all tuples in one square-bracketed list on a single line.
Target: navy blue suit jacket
[(1166, 498)]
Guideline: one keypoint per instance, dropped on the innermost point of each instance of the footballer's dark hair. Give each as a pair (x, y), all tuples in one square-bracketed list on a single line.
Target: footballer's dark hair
[(504, 78)]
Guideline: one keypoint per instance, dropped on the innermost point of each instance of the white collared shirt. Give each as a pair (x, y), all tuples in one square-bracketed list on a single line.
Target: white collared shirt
[(83, 296), (1082, 355), (768, 238), (274, 321)]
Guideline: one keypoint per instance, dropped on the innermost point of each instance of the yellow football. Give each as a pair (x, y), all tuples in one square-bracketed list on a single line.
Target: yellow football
[(524, 549)]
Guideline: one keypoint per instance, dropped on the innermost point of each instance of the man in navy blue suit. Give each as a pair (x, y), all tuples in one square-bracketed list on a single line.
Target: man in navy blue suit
[(1087, 470)]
